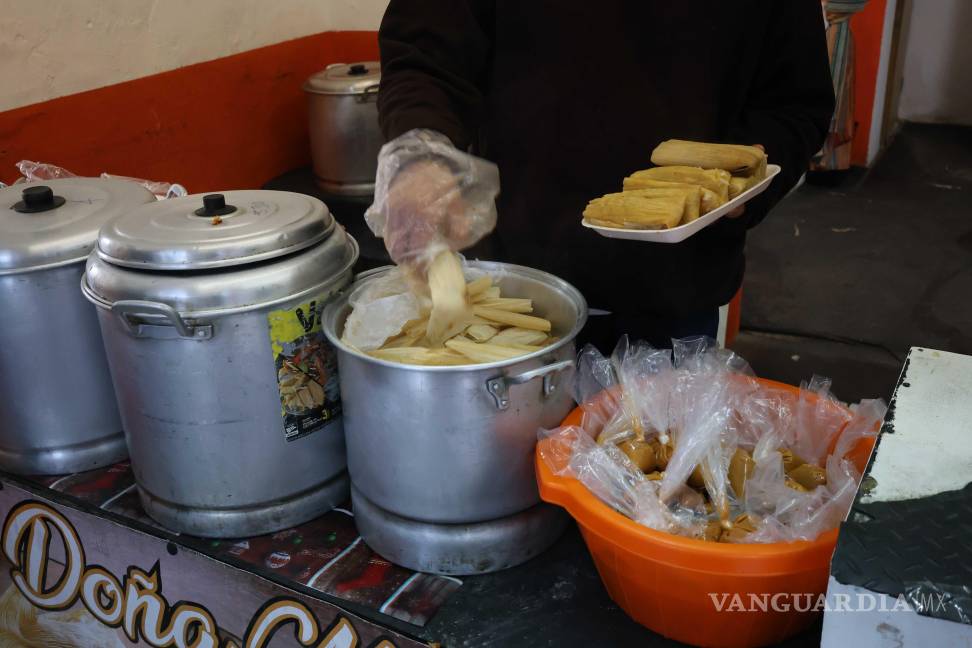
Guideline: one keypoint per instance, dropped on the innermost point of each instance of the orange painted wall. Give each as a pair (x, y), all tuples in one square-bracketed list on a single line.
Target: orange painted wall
[(867, 27), (231, 123)]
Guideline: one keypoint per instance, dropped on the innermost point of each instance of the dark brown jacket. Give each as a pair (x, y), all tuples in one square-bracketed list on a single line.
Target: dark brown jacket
[(569, 96)]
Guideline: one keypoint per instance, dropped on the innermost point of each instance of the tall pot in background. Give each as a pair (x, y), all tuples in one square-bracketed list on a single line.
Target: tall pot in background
[(344, 134)]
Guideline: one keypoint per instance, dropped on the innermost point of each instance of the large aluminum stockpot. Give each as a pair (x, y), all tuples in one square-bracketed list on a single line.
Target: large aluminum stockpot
[(57, 407), (441, 458), (211, 313), (344, 134)]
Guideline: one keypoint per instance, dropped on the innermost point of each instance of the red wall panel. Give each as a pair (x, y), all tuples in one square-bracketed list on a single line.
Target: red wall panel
[(230, 123)]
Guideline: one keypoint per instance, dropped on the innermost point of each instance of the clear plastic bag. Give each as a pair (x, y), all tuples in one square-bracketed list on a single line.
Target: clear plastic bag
[(766, 413), (646, 376), (730, 433), (430, 196), (380, 310), (699, 413), (794, 515), (626, 395), (162, 190), (34, 171), (596, 389), (39, 171), (819, 417), (603, 469), (818, 421), (711, 384), (613, 479)]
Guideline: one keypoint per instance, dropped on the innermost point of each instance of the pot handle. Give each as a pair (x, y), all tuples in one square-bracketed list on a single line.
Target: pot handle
[(124, 309), (499, 387), (368, 94)]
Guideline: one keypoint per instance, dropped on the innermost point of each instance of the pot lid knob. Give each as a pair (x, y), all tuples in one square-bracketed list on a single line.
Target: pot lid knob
[(214, 205), (358, 69), (38, 199)]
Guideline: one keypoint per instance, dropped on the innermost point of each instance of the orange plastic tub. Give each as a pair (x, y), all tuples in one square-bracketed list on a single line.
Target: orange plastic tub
[(672, 584)]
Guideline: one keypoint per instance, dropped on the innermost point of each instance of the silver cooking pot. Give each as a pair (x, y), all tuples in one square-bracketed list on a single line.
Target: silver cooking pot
[(57, 407), (211, 313), (441, 458), (344, 135)]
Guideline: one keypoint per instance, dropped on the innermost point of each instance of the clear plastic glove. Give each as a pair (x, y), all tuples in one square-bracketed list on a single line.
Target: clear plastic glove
[(430, 196)]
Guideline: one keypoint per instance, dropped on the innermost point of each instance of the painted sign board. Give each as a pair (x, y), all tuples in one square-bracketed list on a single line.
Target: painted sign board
[(73, 577)]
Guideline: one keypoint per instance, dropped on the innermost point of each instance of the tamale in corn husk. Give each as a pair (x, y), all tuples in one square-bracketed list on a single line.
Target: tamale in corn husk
[(633, 210), (708, 198), (715, 180), (450, 308), (735, 158), (692, 194)]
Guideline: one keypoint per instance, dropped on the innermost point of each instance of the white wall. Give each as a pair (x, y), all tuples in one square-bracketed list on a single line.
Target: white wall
[(937, 83), (52, 48)]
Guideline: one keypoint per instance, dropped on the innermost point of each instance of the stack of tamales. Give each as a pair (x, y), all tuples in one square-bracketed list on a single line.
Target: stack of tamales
[(468, 323), (690, 179)]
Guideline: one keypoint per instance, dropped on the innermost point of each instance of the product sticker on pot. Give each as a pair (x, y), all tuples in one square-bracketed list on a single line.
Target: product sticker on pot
[(306, 365)]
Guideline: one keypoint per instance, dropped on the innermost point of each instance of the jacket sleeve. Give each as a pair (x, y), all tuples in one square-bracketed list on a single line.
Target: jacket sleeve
[(790, 105), (434, 64)]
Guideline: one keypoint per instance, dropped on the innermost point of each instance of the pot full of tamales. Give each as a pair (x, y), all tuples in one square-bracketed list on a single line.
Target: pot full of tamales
[(442, 406), (691, 185)]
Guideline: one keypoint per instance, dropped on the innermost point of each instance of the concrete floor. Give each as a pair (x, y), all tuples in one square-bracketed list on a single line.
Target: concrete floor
[(841, 281)]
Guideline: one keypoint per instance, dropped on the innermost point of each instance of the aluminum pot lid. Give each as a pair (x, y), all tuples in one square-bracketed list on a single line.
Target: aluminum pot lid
[(55, 222), (345, 78), (221, 230), (317, 269)]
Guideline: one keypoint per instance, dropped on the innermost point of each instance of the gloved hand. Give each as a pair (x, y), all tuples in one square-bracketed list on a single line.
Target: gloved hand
[(425, 210), (430, 196)]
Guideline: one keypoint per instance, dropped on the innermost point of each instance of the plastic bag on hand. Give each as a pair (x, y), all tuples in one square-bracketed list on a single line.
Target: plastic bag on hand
[(429, 196)]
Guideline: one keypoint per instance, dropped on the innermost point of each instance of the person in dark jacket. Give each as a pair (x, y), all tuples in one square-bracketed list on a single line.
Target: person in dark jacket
[(568, 97)]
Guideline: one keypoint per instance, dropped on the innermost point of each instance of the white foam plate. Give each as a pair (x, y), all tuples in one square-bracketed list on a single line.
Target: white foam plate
[(682, 232)]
